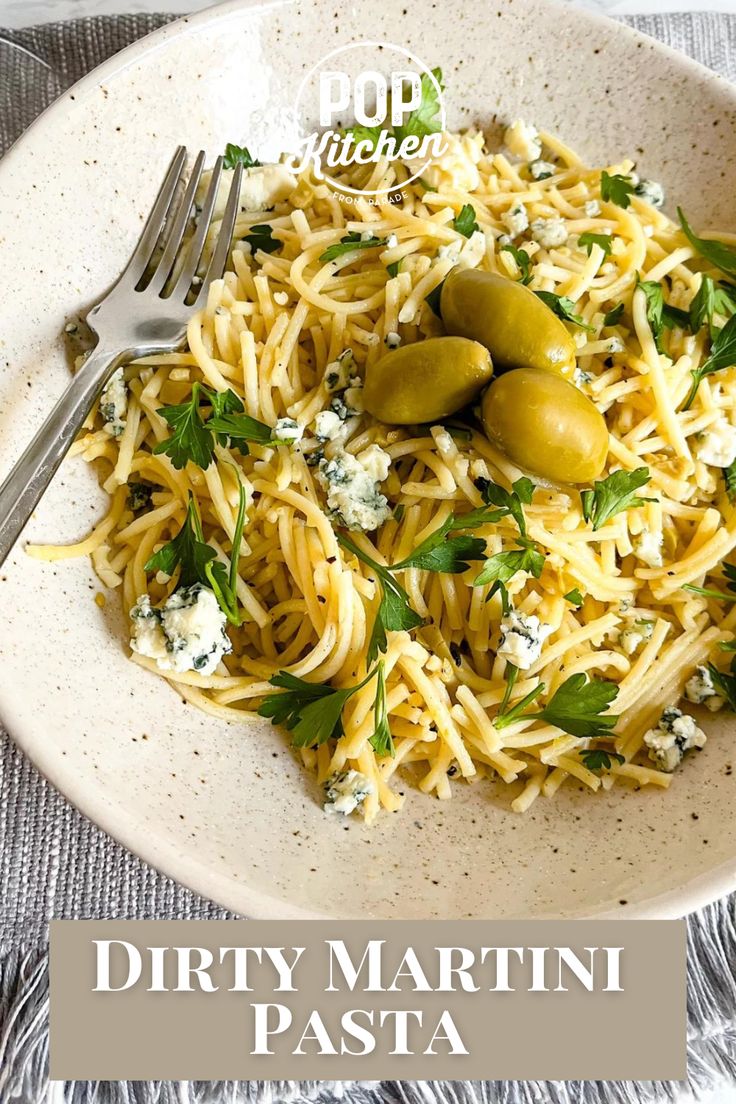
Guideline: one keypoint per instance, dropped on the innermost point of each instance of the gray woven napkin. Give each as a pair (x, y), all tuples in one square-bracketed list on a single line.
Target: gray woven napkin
[(54, 863)]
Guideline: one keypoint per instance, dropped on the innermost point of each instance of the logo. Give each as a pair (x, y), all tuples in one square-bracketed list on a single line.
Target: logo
[(373, 103)]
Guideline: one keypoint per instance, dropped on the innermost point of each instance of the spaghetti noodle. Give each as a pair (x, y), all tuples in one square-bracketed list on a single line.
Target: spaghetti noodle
[(290, 333)]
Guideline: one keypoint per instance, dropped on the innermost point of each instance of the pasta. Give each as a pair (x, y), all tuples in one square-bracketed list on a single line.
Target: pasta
[(292, 335)]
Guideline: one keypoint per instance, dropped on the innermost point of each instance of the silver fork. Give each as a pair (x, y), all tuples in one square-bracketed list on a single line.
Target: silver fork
[(137, 317)]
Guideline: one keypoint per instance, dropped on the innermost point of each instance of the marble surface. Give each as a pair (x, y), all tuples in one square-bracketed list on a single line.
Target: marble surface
[(22, 13)]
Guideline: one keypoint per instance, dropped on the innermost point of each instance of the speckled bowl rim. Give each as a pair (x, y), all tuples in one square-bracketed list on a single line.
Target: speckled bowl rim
[(113, 819)]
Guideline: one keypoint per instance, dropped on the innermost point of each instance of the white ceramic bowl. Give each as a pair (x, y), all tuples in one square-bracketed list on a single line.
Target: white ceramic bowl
[(225, 809)]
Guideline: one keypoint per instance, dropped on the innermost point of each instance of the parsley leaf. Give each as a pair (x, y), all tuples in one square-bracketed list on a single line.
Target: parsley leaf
[(596, 759), (393, 268), (425, 119), (612, 495), (613, 316), (616, 189), (381, 741), (729, 474), (523, 261), (433, 300), (395, 611), (348, 243), (365, 134), (725, 684), (465, 223), (284, 708), (588, 239), (504, 565), (194, 439), (578, 707), (441, 551), (261, 237), (237, 537), (574, 597), (722, 355), (240, 427), (197, 561), (310, 711), (445, 551), (709, 592), (718, 253), (190, 439), (703, 306), (185, 551), (500, 588), (238, 155), (564, 308), (661, 315), (509, 503)]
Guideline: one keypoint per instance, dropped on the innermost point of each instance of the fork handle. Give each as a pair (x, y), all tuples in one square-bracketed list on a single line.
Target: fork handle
[(29, 478)]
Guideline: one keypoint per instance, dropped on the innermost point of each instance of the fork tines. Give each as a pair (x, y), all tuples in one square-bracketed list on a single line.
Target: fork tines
[(157, 256)]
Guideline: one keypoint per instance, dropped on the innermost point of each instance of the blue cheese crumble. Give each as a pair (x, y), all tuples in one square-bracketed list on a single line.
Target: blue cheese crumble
[(328, 425), (522, 140), (114, 404), (633, 637), (337, 373), (651, 192), (287, 431), (699, 690), (345, 791), (676, 733), (186, 634), (352, 484), (522, 637), (516, 220), (541, 170), (467, 253), (549, 232), (647, 547), (717, 445)]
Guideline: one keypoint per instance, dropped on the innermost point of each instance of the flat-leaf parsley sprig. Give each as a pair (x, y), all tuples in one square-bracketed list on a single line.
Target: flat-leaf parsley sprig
[(500, 568), (617, 189), (614, 494), (465, 222), (312, 711), (588, 239), (348, 243), (194, 436), (427, 117), (660, 315), (238, 155), (423, 120), (523, 261), (729, 571), (600, 759), (711, 299), (579, 707), (445, 550), (722, 355), (564, 308), (718, 253), (197, 561)]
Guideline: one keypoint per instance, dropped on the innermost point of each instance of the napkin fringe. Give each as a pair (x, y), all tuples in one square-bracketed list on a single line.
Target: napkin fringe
[(24, 1049)]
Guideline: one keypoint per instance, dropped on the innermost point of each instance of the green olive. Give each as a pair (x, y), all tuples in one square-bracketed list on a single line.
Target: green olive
[(545, 425), (427, 380), (518, 329)]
